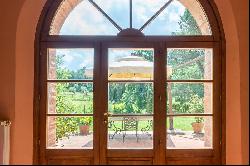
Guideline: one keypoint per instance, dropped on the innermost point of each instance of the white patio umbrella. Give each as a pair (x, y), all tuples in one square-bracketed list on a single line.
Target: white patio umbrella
[(130, 68)]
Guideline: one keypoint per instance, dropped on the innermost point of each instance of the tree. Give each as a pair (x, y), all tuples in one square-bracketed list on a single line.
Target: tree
[(65, 126), (132, 98), (148, 55), (61, 72), (188, 25), (181, 103)]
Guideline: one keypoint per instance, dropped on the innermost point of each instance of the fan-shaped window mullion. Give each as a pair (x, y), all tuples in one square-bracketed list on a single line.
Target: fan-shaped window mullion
[(105, 15), (111, 17), (118, 10), (155, 15)]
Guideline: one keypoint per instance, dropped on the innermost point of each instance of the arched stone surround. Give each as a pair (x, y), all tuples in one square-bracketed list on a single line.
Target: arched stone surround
[(62, 13), (192, 5)]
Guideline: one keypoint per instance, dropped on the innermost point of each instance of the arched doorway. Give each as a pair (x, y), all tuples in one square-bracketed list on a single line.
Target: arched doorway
[(161, 124)]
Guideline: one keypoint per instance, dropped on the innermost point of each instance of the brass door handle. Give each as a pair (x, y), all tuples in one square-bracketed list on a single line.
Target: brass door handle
[(107, 114)]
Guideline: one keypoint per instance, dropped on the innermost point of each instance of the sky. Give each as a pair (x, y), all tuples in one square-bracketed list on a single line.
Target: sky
[(77, 58), (87, 20)]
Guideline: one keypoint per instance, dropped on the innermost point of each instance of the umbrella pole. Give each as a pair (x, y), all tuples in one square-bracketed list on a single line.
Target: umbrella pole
[(171, 121)]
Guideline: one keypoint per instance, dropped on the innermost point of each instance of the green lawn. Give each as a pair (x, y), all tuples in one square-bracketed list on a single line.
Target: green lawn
[(80, 103), (182, 123)]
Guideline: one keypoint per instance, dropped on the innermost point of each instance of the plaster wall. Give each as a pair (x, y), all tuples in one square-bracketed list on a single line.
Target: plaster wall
[(17, 33)]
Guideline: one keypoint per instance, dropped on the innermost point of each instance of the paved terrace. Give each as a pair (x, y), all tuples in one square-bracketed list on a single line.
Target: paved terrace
[(178, 140)]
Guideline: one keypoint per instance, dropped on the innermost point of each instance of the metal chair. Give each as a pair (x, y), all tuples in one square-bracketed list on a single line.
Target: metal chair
[(130, 124), (111, 124), (145, 130)]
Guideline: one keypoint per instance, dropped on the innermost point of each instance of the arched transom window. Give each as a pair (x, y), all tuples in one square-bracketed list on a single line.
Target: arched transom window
[(151, 17)]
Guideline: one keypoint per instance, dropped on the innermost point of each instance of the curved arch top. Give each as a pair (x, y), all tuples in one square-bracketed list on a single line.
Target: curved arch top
[(160, 17)]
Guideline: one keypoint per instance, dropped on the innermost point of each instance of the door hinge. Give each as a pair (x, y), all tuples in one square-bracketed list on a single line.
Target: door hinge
[(39, 97), (160, 97)]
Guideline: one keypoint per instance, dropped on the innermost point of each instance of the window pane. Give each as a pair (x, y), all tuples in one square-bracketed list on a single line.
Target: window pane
[(176, 19), (84, 19), (117, 10), (131, 64), (189, 133), (143, 10), (70, 132), (189, 98), (131, 98), (130, 132), (133, 130), (70, 98), (189, 64), (67, 64)]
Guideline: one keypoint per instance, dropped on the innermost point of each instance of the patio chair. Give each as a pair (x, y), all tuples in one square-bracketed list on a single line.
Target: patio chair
[(130, 124), (145, 130), (117, 130)]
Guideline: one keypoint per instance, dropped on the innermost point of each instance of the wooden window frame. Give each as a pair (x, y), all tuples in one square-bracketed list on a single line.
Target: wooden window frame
[(215, 41)]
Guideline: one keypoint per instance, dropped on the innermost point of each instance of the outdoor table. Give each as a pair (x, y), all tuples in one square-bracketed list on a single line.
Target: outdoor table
[(138, 118)]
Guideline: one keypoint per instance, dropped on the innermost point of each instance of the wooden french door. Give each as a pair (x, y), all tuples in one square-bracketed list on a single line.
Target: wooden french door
[(201, 87), (68, 103), (127, 96), (131, 130)]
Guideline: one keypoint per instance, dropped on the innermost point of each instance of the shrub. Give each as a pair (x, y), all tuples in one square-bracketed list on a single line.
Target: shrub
[(196, 106)]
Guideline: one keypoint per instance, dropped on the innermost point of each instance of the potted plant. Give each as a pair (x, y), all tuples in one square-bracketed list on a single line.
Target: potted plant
[(197, 107), (198, 125), (84, 124)]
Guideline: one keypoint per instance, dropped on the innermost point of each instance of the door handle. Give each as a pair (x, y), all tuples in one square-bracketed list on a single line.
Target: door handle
[(107, 114)]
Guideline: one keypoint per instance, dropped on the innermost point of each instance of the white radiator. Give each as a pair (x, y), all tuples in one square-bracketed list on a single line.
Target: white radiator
[(4, 142)]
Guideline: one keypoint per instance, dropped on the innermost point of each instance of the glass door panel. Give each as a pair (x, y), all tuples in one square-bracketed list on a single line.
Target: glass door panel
[(69, 112), (190, 93), (130, 98)]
